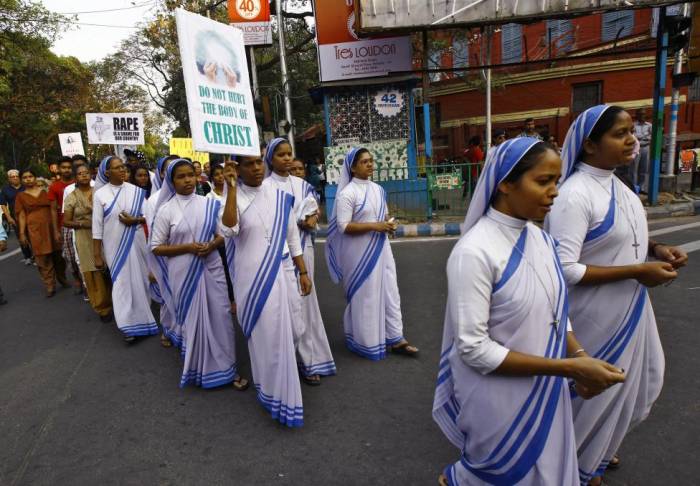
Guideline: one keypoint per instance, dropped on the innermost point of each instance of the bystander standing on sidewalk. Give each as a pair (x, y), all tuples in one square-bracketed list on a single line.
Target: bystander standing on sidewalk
[(3, 247)]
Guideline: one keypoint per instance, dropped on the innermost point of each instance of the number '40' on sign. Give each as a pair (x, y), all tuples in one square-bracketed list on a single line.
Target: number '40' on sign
[(248, 9)]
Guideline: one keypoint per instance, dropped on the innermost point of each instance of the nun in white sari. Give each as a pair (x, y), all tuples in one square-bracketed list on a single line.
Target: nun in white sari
[(186, 232), (158, 267), (601, 228), (358, 254), (501, 396), (120, 244), (266, 237), (312, 345)]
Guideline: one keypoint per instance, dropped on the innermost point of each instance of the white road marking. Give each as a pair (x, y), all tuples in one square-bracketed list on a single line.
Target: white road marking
[(673, 229), (8, 255), (691, 246)]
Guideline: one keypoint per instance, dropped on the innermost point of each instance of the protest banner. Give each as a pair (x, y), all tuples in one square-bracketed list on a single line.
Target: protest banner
[(253, 18), (71, 144), (219, 100), (115, 128), (183, 148)]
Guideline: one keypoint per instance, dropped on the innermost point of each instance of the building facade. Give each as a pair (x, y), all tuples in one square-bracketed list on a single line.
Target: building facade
[(550, 71)]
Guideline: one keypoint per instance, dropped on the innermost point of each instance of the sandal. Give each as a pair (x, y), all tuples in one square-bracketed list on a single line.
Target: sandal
[(130, 339), (614, 462), (50, 293), (165, 342), (313, 380), (442, 480), (404, 348), (240, 383)]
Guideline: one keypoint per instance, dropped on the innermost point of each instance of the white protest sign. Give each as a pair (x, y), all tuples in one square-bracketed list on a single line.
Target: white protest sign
[(115, 128), (71, 144), (219, 100)]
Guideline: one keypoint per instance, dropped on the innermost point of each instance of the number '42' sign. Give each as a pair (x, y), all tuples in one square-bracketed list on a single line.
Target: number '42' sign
[(248, 9)]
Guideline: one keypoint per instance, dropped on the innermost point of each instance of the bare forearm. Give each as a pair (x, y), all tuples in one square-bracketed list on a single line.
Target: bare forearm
[(230, 216), (520, 364), (54, 216), (601, 275), (97, 248), (299, 263), (172, 250), (360, 228)]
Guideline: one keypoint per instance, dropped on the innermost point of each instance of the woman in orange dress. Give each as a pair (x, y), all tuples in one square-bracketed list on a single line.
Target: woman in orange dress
[(33, 208)]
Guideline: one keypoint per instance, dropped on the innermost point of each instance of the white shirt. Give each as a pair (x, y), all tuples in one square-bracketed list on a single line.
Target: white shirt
[(643, 132)]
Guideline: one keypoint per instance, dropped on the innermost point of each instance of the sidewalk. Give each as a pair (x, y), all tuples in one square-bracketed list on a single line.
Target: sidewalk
[(686, 208)]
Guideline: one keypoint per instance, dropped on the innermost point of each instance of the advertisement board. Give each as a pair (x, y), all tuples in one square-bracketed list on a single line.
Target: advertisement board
[(253, 18), (343, 55)]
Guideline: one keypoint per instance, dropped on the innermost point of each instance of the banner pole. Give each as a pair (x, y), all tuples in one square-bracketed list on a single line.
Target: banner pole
[(253, 73), (285, 77)]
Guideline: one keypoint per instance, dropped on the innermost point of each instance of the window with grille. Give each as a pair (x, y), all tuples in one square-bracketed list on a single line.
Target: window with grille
[(511, 43), (617, 24), (460, 55), (560, 36), (585, 96), (694, 90), (435, 62)]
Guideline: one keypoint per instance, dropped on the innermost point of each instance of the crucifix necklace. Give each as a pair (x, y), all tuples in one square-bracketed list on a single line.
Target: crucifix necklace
[(555, 318), (268, 235), (623, 209)]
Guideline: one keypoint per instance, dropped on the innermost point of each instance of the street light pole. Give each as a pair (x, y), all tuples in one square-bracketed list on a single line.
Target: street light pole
[(285, 77)]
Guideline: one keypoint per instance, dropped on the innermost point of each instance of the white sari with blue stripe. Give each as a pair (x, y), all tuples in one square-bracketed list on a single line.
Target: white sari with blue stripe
[(124, 249), (262, 292), (312, 345), (199, 296), (509, 429), (160, 289), (593, 220), (366, 266)]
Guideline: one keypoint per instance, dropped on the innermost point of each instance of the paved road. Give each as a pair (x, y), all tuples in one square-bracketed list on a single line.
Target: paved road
[(80, 407)]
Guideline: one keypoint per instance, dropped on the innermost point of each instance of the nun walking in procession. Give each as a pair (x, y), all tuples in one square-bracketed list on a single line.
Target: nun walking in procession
[(502, 396), (157, 265), (609, 262), (119, 244), (187, 231), (314, 352), (358, 254), (266, 238)]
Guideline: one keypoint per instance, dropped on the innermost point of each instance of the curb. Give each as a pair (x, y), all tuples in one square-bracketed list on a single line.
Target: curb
[(689, 208)]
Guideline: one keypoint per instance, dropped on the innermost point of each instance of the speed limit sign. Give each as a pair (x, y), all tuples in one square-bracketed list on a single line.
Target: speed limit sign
[(248, 9)]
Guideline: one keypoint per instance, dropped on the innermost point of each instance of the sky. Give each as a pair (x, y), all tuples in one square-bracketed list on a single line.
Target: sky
[(91, 43)]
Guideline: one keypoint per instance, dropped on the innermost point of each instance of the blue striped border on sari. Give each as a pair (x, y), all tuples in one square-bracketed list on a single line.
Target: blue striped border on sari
[(269, 266), (286, 415), (607, 223), (128, 235)]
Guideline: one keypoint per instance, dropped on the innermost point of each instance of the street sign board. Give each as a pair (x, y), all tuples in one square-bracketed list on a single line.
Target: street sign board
[(388, 15), (253, 18)]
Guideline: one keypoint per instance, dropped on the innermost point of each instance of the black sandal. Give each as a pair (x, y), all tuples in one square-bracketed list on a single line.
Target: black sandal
[(614, 462), (241, 384), (405, 349), (310, 381)]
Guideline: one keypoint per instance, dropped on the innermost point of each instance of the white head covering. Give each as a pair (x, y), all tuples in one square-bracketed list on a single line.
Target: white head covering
[(102, 178), (499, 163), (332, 240), (270, 153), (578, 132), (158, 182), (167, 189)]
